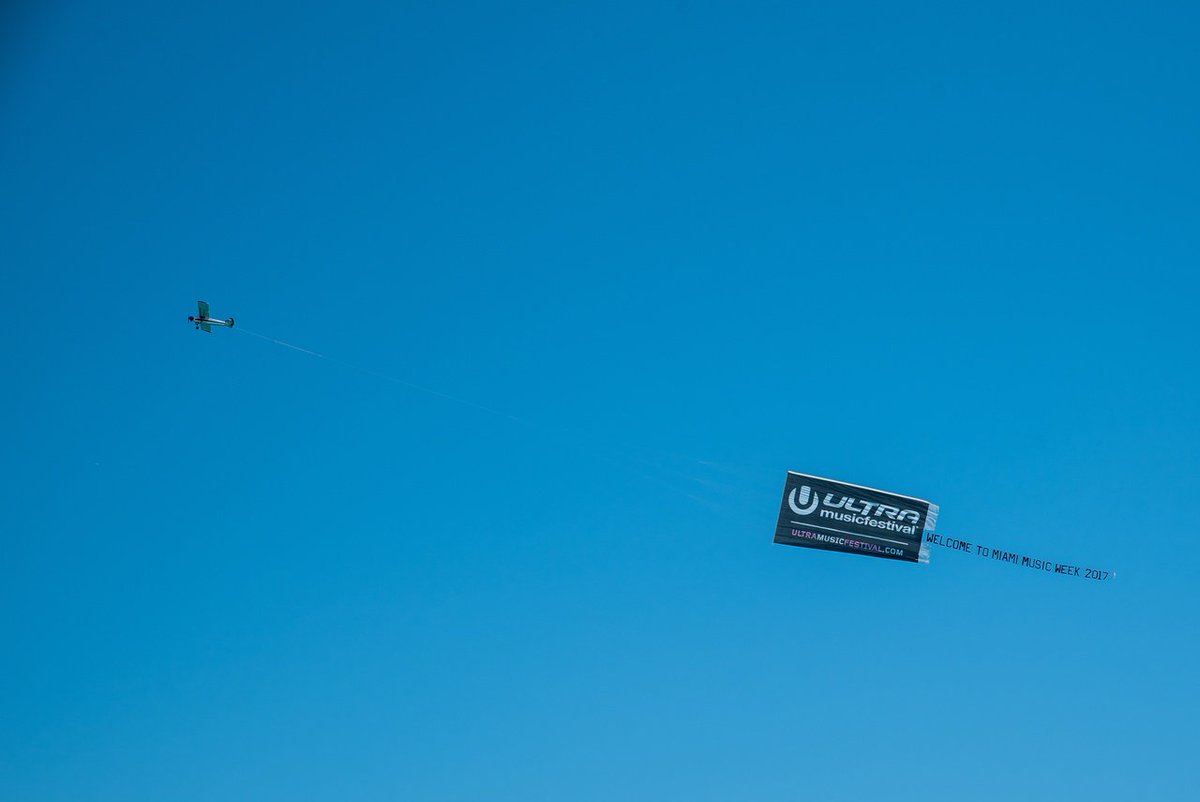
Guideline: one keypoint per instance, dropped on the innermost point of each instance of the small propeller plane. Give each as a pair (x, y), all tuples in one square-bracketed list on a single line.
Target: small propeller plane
[(204, 322)]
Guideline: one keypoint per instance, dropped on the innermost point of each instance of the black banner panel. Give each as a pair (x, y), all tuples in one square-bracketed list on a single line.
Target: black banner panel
[(826, 514)]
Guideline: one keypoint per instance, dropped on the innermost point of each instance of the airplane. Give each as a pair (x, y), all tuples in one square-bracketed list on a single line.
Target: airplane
[(204, 322)]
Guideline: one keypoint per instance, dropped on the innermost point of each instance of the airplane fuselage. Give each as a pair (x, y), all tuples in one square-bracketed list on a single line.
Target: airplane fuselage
[(211, 321)]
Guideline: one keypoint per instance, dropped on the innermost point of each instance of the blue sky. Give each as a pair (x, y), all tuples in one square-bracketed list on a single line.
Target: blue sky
[(682, 247)]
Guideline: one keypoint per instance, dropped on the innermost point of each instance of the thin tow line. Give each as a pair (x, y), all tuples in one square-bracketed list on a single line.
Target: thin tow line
[(368, 371)]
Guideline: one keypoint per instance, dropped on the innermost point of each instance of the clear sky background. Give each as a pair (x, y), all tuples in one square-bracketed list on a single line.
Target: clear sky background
[(944, 249)]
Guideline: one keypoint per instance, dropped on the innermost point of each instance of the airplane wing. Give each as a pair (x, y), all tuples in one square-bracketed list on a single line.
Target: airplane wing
[(203, 308), (206, 327)]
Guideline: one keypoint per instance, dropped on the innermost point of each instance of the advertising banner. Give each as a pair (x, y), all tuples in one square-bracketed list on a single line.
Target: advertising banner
[(826, 514)]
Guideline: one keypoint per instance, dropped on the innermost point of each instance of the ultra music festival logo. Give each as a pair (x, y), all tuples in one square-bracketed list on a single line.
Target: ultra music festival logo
[(825, 514), (848, 509)]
